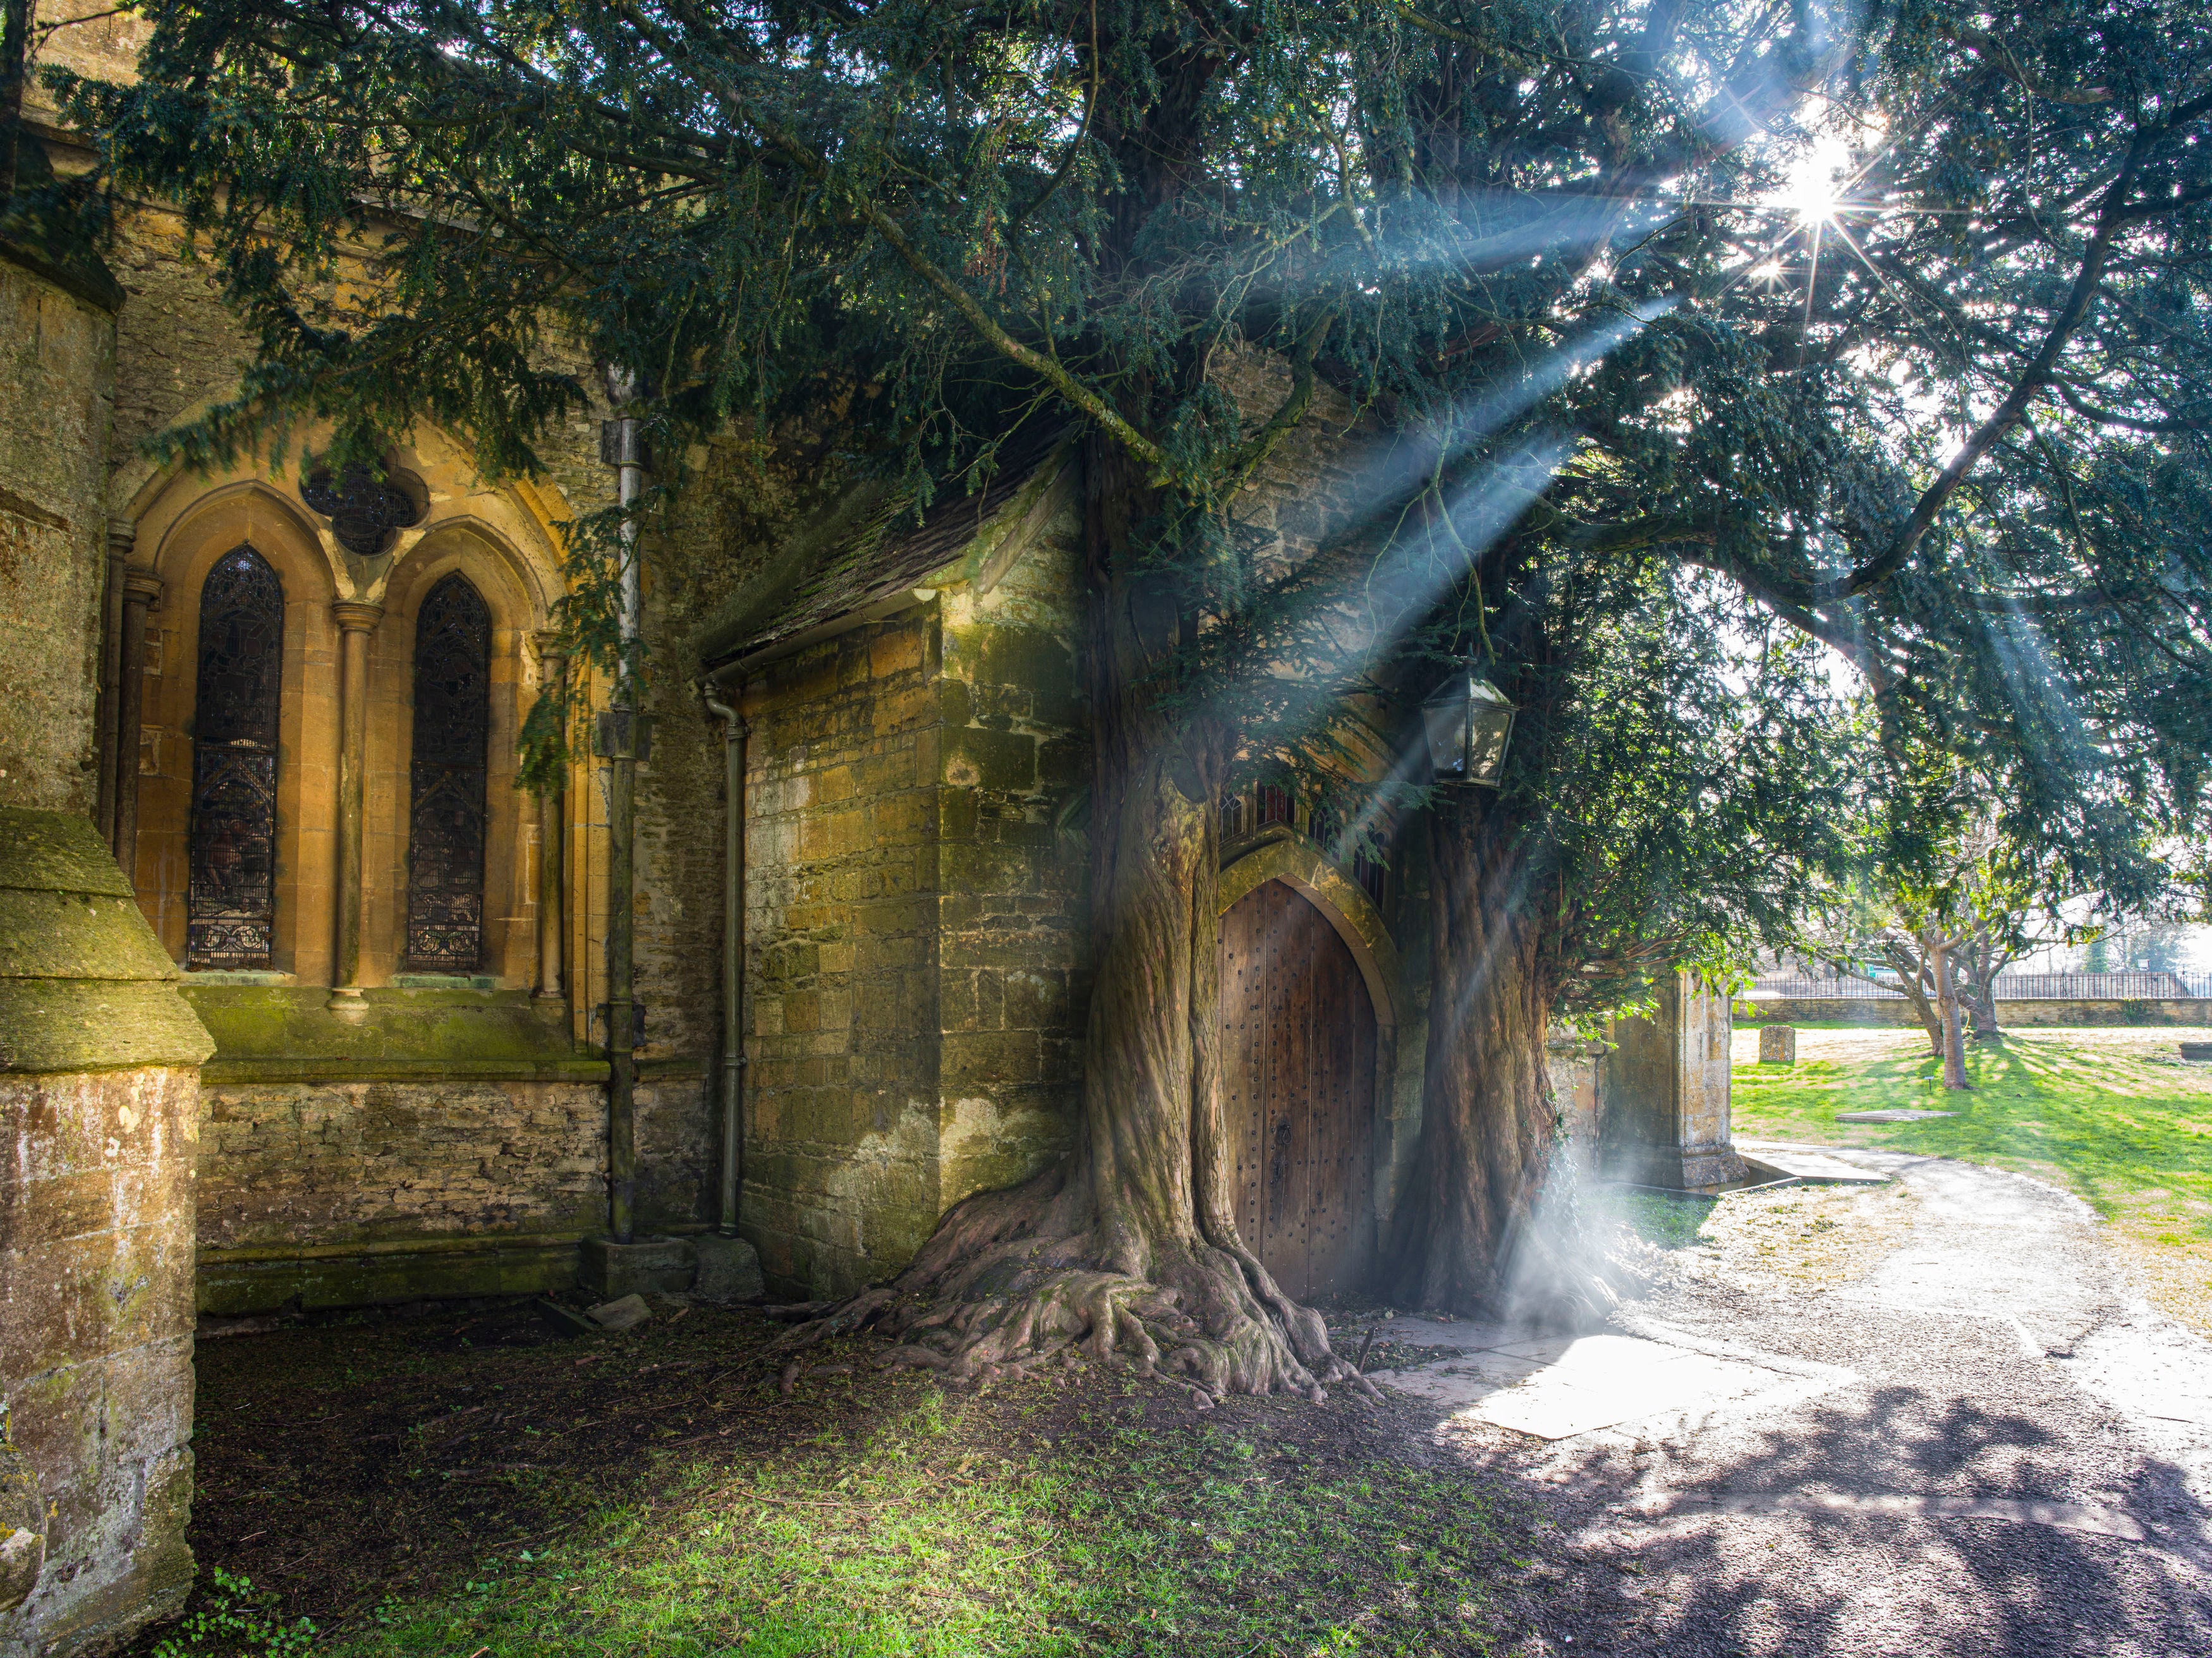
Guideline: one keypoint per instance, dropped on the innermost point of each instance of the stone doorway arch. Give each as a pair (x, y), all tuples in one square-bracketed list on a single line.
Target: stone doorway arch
[(1301, 1040)]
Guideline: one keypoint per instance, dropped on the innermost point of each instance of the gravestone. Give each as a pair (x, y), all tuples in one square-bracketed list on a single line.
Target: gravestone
[(1777, 1045)]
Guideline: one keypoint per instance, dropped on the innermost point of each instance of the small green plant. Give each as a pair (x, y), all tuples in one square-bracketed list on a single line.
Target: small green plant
[(230, 1622)]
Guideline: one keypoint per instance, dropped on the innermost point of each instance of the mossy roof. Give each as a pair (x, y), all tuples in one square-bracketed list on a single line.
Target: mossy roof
[(866, 549)]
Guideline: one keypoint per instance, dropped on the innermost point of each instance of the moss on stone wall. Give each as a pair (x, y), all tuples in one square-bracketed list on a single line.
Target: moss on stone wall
[(914, 917), (83, 983), (267, 1032)]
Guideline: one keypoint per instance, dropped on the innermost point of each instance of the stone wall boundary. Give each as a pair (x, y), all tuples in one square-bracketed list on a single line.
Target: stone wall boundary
[(1895, 1010)]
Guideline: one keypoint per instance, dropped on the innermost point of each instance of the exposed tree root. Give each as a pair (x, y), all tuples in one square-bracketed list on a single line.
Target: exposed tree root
[(1000, 1290)]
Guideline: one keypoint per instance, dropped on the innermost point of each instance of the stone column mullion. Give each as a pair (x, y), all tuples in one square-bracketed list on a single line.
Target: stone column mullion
[(356, 625), (141, 593), (122, 532)]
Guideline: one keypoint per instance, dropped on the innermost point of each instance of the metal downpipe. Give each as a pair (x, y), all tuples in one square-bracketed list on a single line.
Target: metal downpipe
[(621, 444), (733, 956)]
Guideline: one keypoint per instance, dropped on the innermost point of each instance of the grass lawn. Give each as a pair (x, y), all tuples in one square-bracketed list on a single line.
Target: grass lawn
[(2113, 1115), (482, 1492)]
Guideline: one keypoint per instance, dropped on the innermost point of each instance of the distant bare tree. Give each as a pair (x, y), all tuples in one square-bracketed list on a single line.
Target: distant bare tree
[(1904, 931), (2002, 918)]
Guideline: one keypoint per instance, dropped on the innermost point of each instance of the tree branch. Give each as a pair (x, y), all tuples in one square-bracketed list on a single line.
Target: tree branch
[(1247, 457), (994, 334), (2081, 406), (2000, 58), (2039, 371)]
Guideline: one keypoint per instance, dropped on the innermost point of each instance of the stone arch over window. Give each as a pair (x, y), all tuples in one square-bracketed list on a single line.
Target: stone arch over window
[(465, 583), (188, 548), (343, 826), (230, 900)]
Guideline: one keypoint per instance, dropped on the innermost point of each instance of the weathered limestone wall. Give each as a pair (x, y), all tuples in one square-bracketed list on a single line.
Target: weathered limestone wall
[(98, 1130), (1319, 478), (842, 1147), (730, 513), (1576, 1067), (176, 346), (98, 1054), (339, 1162), (96, 1325), (1664, 1097), (1011, 910), (913, 919), (352, 1193), (449, 1144), (1702, 1096), (57, 357)]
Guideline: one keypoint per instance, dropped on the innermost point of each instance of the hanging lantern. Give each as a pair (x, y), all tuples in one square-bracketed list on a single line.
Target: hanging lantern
[(1467, 721)]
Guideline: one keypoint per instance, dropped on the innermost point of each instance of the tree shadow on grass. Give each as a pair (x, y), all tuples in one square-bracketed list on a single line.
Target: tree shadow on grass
[(2084, 1121)]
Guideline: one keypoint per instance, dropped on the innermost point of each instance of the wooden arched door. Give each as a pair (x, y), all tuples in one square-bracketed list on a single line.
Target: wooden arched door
[(1298, 1040)]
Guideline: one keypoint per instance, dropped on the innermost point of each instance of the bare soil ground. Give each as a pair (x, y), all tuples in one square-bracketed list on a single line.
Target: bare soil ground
[(464, 1480), (2008, 1456)]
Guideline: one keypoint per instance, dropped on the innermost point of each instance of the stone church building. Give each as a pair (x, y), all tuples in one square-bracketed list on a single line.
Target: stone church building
[(300, 997)]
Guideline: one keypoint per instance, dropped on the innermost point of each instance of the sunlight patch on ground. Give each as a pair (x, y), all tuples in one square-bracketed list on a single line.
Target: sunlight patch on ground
[(1562, 1387), (1810, 1236), (2112, 1114)]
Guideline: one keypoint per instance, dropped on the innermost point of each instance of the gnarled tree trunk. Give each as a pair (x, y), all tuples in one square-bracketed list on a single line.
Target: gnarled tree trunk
[(1459, 1234), (1131, 1249), (1916, 982)]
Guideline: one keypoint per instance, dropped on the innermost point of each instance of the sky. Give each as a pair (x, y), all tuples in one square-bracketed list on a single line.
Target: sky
[(2196, 955)]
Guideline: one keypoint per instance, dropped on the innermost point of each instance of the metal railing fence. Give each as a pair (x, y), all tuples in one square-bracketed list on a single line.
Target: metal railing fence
[(2014, 986)]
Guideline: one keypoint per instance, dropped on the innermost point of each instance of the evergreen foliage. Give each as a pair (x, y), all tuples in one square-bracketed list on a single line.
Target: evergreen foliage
[(1663, 408)]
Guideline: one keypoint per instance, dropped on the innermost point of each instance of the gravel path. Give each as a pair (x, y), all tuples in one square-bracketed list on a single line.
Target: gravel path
[(2019, 1461)]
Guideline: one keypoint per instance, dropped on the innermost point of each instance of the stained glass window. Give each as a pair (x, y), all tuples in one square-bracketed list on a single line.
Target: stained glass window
[(446, 824), (230, 905)]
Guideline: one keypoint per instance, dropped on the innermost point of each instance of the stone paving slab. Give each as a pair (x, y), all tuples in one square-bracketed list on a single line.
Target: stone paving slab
[(1813, 1168), (1553, 1386)]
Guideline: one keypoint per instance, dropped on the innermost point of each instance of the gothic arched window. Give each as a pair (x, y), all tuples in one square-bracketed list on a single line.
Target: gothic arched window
[(445, 821), (231, 901)]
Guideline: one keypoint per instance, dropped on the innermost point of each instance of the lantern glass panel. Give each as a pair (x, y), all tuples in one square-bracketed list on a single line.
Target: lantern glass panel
[(1467, 721), (1443, 717), (1488, 728)]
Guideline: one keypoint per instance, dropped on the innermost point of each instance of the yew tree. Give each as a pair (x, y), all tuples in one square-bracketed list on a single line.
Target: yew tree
[(1716, 362)]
